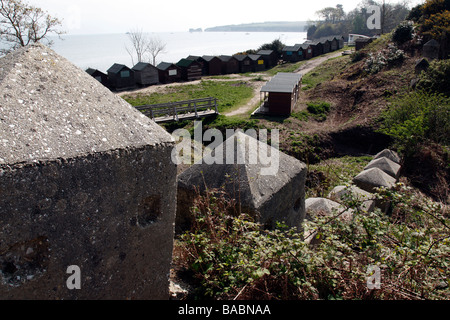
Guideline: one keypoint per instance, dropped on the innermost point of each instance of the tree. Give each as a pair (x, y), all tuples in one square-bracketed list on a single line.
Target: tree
[(145, 48), (22, 24), (155, 47)]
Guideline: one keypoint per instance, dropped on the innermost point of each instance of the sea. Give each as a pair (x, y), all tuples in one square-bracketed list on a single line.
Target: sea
[(101, 51)]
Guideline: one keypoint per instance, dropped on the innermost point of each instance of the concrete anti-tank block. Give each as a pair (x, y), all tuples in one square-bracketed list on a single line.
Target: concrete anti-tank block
[(390, 167), (85, 181)]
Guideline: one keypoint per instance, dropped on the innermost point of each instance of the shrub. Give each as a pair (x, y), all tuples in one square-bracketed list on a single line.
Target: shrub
[(319, 110), (415, 117), (233, 257), (403, 33), (436, 78), (389, 56)]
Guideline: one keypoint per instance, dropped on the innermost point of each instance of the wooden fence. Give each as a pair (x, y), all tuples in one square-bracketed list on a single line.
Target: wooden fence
[(174, 111)]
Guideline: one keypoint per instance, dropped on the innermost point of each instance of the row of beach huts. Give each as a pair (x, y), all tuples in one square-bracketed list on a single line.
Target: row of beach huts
[(120, 77)]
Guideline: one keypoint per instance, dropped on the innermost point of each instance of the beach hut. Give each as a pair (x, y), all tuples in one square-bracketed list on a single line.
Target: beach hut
[(213, 65), (99, 76), (292, 53), (229, 64), (326, 45), (317, 48), (334, 43), (121, 77), (307, 51), (201, 61), (245, 63), (168, 72), (281, 93), (258, 62), (270, 58), (340, 40), (190, 69), (145, 74)]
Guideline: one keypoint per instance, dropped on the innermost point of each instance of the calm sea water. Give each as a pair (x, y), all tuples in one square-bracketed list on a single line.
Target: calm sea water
[(102, 51)]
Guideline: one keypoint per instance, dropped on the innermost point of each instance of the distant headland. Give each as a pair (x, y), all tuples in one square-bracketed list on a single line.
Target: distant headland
[(274, 26)]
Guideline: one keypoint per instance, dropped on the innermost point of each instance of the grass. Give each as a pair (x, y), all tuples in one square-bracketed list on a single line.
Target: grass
[(229, 94), (334, 172), (324, 72)]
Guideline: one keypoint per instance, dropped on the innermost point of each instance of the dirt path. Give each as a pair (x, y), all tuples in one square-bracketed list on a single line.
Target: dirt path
[(304, 69)]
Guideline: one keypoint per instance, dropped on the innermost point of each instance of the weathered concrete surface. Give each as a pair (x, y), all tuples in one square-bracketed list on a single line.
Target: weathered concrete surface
[(385, 164), (276, 197), (391, 155), (326, 207), (85, 180), (342, 193), (373, 178)]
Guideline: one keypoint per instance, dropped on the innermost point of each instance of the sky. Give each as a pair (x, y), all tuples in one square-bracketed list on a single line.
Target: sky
[(113, 16)]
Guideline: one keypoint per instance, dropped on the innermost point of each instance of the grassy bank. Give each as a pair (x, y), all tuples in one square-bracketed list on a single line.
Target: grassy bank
[(228, 93)]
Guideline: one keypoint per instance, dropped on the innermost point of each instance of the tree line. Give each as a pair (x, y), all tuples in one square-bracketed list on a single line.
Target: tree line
[(334, 20)]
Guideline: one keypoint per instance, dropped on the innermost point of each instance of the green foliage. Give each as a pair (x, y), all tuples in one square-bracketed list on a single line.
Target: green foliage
[(415, 117), (276, 45), (402, 33), (318, 108), (329, 173), (233, 257), (436, 78), (222, 123)]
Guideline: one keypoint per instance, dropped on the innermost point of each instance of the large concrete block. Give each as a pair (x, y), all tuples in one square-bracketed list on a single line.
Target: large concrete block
[(279, 196), (326, 207), (85, 180), (391, 155), (390, 167), (373, 178), (352, 192)]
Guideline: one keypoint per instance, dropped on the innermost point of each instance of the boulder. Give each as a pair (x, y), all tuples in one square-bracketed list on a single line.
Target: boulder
[(390, 167), (373, 178)]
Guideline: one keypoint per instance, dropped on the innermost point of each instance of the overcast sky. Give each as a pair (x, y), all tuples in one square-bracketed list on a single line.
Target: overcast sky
[(112, 16)]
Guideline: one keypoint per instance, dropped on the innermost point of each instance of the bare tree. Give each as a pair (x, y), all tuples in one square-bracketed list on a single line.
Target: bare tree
[(143, 46), (22, 24), (155, 47)]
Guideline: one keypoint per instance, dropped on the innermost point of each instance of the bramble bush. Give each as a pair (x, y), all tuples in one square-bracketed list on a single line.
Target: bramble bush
[(233, 257), (415, 117)]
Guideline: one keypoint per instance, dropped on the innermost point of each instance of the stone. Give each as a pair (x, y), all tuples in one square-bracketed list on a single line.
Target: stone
[(341, 193), (85, 180), (373, 178), (391, 155), (421, 65), (321, 207), (388, 166), (430, 49), (278, 196), (326, 207)]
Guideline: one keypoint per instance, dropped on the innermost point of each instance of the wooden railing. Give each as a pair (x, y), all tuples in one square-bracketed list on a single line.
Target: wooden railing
[(173, 111)]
